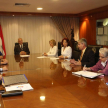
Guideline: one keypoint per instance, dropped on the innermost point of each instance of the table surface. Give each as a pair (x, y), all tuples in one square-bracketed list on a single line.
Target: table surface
[(54, 85)]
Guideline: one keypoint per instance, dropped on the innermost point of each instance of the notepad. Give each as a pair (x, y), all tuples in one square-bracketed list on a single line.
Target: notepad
[(14, 79), (24, 55), (87, 74)]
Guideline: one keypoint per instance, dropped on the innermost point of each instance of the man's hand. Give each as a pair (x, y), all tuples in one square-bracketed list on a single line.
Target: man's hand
[(22, 53), (77, 62), (72, 61)]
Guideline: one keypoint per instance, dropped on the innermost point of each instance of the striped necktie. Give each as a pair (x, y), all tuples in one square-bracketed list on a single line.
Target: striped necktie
[(81, 55)]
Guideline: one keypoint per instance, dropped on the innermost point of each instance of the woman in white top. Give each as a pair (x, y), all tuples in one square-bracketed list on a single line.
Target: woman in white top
[(66, 50), (53, 49)]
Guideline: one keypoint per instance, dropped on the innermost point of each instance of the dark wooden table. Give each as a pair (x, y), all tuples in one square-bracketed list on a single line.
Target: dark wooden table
[(54, 85)]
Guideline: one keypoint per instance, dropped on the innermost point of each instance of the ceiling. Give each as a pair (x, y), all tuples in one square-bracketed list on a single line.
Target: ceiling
[(52, 6)]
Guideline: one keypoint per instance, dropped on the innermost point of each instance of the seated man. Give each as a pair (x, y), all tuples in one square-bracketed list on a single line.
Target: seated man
[(86, 56), (2, 61), (21, 49)]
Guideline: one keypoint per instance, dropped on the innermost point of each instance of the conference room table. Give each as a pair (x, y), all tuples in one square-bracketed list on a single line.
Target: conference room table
[(54, 85)]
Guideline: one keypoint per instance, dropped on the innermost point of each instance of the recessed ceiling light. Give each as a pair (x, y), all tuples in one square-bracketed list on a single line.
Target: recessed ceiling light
[(39, 8), (13, 15)]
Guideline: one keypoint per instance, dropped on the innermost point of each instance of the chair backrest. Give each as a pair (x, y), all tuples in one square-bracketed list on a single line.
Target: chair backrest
[(25, 43), (59, 48), (76, 51), (95, 49), (76, 46)]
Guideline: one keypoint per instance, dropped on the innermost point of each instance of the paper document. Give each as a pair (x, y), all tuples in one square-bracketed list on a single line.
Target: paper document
[(24, 55), (87, 74), (42, 57), (23, 87)]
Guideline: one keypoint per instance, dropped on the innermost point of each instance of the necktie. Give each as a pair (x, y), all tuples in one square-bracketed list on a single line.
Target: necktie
[(81, 55)]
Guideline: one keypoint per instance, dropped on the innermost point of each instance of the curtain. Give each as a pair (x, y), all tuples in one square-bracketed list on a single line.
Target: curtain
[(37, 31), (65, 24)]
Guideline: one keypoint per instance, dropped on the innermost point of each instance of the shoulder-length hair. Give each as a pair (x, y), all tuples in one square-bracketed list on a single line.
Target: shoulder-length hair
[(53, 41), (67, 40)]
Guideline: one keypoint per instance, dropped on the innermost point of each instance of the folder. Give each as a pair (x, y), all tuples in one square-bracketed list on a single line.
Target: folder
[(14, 79), (87, 74)]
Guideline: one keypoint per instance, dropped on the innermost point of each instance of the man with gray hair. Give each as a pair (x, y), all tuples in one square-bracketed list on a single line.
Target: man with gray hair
[(21, 48), (102, 65), (86, 56)]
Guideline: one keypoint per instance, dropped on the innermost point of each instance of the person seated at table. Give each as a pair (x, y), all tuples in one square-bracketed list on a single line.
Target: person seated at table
[(21, 48), (2, 61), (86, 56), (1, 55), (53, 49), (102, 65), (66, 50)]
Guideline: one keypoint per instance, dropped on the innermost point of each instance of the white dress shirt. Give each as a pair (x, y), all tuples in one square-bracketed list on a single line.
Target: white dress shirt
[(66, 52), (53, 51)]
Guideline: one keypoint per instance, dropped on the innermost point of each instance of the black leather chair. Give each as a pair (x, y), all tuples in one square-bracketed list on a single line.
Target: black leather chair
[(23, 43), (59, 48), (76, 51), (95, 49)]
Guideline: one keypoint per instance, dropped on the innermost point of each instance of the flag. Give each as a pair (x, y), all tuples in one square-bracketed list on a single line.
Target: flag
[(2, 45)]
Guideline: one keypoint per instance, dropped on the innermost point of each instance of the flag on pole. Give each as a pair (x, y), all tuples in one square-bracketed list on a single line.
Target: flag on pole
[(2, 45)]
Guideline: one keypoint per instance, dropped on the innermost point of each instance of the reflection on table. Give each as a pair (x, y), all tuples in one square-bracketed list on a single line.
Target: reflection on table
[(55, 85)]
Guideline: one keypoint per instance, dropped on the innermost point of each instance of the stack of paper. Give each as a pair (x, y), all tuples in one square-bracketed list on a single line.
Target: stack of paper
[(23, 87), (87, 74)]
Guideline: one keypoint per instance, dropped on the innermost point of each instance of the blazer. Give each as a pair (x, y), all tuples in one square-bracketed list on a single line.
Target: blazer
[(88, 58), (17, 49)]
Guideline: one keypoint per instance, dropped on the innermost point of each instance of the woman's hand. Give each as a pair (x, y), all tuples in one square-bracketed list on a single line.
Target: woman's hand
[(61, 57), (45, 54), (85, 69)]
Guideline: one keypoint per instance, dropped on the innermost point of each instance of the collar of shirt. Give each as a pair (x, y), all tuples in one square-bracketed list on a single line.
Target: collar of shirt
[(104, 63), (20, 45)]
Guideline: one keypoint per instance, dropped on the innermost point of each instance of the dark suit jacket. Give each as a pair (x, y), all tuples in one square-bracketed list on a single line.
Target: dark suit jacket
[(88, 58), (17, 49)]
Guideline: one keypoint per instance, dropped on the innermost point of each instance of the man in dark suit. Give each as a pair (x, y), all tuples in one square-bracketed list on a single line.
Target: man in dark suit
[(86, 57), (21, 48)]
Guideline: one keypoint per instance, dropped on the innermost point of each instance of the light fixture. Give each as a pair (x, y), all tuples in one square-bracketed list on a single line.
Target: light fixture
[(105, 22), (13, 15), (39, 8)]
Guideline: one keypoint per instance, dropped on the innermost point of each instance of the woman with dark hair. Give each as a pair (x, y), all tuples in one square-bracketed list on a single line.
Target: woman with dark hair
[(66, 50)]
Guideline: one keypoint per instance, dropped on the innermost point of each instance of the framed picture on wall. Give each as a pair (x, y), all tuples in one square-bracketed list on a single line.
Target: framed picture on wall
[(105, 30), (100, 31)]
